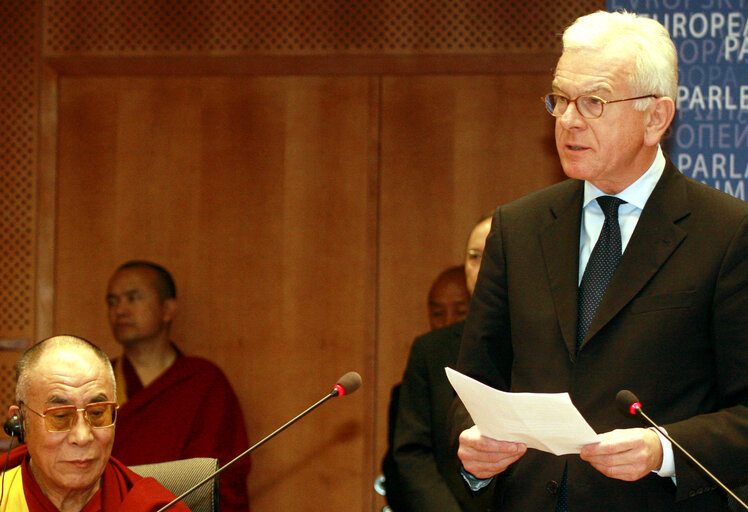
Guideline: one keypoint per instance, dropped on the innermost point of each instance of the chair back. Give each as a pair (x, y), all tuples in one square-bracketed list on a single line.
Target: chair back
[(180, 475)]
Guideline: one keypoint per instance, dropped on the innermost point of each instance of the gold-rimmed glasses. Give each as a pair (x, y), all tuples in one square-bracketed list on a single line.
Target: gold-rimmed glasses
[(588, 105), (62, 418)]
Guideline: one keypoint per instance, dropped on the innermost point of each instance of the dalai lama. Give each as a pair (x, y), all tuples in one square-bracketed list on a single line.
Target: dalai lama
[(66, 413)]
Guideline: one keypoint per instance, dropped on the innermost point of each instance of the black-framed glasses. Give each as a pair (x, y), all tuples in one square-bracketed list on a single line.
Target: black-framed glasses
[(588, 105), (62, 418)]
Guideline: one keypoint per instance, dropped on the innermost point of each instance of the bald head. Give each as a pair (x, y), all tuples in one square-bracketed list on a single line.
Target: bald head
[(449, 298), (50, 347)]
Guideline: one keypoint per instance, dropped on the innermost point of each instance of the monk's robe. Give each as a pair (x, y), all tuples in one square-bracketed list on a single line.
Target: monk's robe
[(121, 490), (188, 411)]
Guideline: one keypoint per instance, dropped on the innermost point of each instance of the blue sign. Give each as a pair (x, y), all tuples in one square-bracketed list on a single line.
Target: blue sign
[(708, 140)]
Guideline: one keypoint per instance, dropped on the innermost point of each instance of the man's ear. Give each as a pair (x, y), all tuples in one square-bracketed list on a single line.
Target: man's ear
[(661, 114), (13, 426), (170, 310)]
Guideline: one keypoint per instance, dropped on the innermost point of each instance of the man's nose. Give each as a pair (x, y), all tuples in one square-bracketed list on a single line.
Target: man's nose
[(81, 432), (452, 316), (120, 308), (571, 117)]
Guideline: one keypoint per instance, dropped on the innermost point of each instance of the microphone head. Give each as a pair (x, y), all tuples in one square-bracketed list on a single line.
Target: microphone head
[(347, 384), (627, 402)]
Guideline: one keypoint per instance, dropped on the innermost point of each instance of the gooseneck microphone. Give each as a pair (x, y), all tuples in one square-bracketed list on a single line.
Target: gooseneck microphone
[(629, 404), (346, 385)]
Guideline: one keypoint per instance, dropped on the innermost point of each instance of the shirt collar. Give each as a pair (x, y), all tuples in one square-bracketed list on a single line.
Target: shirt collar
[(638, 192)]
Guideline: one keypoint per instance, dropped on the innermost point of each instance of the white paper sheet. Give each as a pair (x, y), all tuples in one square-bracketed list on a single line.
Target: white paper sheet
[(545, 421)]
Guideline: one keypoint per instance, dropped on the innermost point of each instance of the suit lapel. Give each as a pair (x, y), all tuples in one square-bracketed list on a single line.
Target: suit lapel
[(560, 242), (655, 238)]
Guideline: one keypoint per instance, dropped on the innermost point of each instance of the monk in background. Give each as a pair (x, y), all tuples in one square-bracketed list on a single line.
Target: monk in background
[(172, 406)]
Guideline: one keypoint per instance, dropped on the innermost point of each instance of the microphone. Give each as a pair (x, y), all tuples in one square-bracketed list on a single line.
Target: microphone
[(629, 404), (346, 385)]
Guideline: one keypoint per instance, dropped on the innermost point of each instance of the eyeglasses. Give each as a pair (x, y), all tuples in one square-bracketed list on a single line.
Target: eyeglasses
[(589, 106), (62, 419)]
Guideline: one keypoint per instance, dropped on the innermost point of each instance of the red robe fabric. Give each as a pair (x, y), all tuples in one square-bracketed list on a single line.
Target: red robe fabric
[(121, 489), (189, 411)]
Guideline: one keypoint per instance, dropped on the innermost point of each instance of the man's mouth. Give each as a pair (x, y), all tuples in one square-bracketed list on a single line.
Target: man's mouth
[(81, 463)]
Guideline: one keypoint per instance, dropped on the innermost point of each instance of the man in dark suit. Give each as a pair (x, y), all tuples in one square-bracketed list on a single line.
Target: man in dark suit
[(419, 467), (672, 321)]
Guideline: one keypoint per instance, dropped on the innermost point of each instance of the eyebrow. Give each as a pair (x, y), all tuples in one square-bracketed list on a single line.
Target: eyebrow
[(129, 291), (59, 400), (602, 87)]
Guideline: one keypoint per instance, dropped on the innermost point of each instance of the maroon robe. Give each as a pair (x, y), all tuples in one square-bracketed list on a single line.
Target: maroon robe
[(188, 411), (121, 489)]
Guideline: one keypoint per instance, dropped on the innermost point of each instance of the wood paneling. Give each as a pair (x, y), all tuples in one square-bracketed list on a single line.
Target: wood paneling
[(306, 27), (255, 193), (304, 167), (304, 219), (453, 148), (19, 108)]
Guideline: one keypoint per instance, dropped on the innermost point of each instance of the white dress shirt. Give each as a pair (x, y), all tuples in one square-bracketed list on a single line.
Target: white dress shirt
[(636, 196)]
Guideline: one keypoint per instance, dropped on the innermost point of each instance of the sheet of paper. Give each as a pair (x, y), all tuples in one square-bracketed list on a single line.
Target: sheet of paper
[(545, 421)]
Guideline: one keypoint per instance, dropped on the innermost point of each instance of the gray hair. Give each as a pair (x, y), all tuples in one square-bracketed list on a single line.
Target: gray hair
[(646, 39), (29, 359)]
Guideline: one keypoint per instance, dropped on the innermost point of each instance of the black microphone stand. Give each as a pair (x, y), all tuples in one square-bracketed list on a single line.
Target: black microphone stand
[(249, 450), (685, 452)]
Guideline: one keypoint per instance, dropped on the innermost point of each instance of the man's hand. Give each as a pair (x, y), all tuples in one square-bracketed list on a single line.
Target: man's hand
[(628, 454), (484, 457)]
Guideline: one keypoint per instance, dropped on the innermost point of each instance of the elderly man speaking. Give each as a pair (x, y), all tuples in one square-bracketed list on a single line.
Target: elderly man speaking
[(65, 413)]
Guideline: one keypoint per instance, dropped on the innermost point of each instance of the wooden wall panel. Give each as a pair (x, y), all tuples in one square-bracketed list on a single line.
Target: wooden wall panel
[(254, 192), (19, 115), (19, 139), (286, 113), (258, 193), (453, 148), (283, 27)]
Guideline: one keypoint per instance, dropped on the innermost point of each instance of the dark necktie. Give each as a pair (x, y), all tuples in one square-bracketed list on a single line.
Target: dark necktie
[(600, 268)]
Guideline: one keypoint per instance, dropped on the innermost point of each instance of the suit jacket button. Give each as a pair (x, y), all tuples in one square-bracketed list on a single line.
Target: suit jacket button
[(691, 493), (551, 487)]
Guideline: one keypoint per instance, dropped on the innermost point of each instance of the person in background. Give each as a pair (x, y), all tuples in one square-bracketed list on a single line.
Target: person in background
[(420, 471), (172, 406), (66, 413), (448, 298), (627, 276)]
